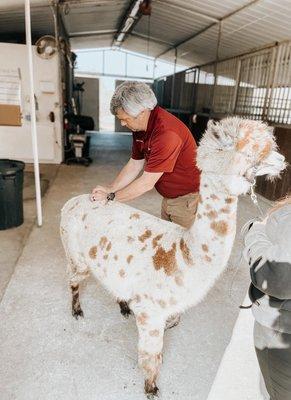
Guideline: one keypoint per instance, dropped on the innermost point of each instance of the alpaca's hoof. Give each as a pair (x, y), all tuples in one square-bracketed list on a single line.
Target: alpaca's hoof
[(172, 322), (78, 313), (151, 390), (124, 309)]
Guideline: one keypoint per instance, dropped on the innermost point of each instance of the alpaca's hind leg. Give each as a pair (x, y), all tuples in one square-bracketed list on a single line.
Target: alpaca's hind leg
[(77, 275), (124, 308), (151, 333), (76, 307)]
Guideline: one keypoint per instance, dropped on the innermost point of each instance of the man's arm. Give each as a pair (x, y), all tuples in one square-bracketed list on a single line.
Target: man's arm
[(138, 187), (128, 173), (135, 189)]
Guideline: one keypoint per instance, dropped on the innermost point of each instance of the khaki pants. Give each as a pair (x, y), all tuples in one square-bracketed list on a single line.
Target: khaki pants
[(181, 210)]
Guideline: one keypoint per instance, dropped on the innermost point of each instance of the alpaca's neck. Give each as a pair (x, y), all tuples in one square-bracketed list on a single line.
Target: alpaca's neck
[(213, 231)]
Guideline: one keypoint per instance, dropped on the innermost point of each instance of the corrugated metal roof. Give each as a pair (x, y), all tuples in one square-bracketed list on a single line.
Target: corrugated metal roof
[(13, 21), (93, 17), (93, 23)]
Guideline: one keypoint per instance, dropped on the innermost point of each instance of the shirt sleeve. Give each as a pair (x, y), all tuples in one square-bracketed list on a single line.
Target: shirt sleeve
[(136, 154), (164, 151)]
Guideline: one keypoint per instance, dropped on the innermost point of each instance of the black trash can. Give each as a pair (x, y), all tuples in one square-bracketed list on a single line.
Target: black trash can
[(11, 193)]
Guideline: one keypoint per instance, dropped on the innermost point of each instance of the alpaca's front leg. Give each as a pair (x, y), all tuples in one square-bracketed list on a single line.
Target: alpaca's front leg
[(150, 345)]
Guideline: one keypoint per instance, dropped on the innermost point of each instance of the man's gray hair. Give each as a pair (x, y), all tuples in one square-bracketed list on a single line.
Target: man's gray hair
[(133, 98)]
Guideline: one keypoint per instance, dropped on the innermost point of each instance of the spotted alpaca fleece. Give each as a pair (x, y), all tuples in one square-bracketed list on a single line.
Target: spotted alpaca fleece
[(158, 268)]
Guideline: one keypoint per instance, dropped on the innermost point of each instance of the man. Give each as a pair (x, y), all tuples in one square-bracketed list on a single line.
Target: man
[(163, 148)]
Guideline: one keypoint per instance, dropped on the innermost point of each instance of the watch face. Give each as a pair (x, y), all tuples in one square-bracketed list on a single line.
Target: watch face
[(111, 196)]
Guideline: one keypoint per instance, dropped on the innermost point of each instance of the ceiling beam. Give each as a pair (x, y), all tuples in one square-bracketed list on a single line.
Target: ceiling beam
[(151, 38), (92, 33), (251, 3), (128, 21)]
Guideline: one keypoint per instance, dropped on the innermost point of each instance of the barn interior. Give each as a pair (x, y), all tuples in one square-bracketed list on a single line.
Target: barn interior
[(204, 60)]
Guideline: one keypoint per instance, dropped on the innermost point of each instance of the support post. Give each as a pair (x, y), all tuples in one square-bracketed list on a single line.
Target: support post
[(173, 80), (32, 113)]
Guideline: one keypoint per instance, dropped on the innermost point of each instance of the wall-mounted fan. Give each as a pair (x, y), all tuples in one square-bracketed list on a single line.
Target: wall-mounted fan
[(46, 47)]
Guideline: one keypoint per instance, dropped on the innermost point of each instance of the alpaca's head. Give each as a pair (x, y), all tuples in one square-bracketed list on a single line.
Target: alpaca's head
[(238, 150)]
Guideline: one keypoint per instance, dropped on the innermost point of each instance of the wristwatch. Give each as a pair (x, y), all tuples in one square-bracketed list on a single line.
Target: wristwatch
[(111, 196)]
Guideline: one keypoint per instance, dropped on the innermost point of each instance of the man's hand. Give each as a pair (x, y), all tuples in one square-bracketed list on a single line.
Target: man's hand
[(100, 193)]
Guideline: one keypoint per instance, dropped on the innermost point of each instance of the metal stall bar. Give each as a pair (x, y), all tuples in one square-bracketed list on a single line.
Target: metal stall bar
[(284, 82), (288, 91), (270, 77), (237, 81), (32, 111), (274, 81)]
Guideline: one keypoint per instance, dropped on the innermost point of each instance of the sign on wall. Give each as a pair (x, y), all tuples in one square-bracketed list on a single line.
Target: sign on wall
[(10, 97)]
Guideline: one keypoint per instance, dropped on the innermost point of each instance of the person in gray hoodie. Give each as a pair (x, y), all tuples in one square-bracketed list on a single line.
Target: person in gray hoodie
[(268, 252)]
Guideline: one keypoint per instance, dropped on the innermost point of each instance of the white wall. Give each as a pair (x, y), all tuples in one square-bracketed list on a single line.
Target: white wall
[(15, 142)]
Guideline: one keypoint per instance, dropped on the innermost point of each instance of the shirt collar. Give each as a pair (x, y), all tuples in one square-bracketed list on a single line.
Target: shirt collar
[(152, 120)]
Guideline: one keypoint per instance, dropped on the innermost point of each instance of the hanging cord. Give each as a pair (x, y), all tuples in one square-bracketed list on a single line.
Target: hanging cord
[(254, 198)]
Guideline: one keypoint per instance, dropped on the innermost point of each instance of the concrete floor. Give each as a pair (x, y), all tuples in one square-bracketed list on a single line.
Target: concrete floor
[(47, 355)]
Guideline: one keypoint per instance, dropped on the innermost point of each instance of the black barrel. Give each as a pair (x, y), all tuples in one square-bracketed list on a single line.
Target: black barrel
[(11, 193)]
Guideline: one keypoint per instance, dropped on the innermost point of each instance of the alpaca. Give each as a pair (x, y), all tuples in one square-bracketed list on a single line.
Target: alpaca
[(155, 268)]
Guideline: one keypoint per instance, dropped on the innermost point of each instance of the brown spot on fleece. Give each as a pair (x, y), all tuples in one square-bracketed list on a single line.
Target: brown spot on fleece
[(102, 242), (266, 150), (108, 246), (93, 252), (135, 216), (179, 281), (147, 234), (229, 200), (185, 252), (243, 142), (166, 259), (129, 258), (116, 257), (84, 216), (207, 258), (214, 197), (156, 239), (143, 248), (220, 227), (212, 214), (142, 318), (205, 247), (154, 332), (121, 273), (105, 256), (130, 239), (225, 210)]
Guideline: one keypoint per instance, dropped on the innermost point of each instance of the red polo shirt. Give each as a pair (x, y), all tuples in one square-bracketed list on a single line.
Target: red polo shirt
[(169, 147)]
